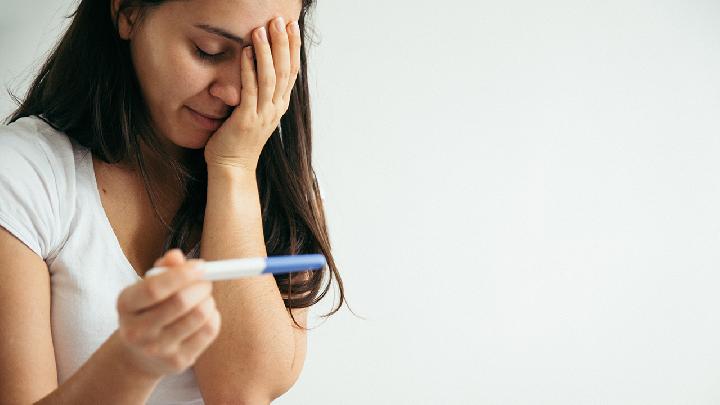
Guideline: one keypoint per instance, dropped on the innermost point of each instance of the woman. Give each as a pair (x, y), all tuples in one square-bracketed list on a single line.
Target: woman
[(156, 125)]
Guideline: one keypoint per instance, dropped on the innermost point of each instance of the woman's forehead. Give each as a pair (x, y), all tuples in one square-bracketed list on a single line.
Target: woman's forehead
[(238, 14)]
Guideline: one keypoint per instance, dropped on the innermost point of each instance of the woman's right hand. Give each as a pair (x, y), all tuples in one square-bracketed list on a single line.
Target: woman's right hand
[(168, 320)]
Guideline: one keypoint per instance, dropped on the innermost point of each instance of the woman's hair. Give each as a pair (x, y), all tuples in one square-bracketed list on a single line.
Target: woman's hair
[(88, 89)]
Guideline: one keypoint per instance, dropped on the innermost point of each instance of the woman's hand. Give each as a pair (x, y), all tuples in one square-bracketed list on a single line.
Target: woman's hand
[(264, 98), (168, 320)]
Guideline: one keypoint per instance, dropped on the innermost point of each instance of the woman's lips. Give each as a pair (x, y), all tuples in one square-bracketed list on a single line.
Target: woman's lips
[(209, 124)]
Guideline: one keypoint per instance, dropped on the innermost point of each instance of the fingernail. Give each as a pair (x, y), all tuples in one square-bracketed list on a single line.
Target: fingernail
[(295, 28), (249, 52), (263, 34), (280, 24)]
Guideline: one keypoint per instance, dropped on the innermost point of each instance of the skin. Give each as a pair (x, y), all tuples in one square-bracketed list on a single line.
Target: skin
[(172, 321), (168, 321), (173, 77)]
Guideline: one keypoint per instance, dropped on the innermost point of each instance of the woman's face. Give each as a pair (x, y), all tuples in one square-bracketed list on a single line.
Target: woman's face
[(174, 75)]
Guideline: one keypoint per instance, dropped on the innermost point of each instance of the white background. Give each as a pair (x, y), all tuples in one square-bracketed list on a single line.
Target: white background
[(523, 198)]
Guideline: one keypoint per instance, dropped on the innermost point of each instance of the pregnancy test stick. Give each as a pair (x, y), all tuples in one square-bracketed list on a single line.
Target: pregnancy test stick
[(254, 266)]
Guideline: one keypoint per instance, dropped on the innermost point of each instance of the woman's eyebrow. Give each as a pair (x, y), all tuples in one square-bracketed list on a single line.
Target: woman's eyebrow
[(221, 32)]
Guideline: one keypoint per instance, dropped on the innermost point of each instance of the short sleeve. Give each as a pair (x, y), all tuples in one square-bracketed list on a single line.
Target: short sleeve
[(30, 180)]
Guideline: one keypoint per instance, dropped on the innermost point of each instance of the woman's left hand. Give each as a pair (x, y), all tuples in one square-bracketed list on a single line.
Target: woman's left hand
[(264, 98)]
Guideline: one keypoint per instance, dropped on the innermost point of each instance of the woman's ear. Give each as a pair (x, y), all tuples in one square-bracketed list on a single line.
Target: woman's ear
[(126, 20)]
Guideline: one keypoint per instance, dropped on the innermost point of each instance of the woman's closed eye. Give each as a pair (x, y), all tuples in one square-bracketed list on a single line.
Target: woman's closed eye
[(206, 55)]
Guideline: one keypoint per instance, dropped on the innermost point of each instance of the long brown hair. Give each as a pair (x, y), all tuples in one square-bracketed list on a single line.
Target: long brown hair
[(88, 89)]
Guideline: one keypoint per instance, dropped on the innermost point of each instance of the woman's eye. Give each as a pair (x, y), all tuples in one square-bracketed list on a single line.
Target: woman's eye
[(207, 56)]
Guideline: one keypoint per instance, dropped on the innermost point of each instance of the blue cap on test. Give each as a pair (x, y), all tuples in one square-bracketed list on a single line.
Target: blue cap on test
[(285, 264)]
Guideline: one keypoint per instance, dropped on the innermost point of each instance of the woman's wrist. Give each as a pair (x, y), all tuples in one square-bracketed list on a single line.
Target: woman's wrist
[(125, 362), (231, 175), (228, 165)]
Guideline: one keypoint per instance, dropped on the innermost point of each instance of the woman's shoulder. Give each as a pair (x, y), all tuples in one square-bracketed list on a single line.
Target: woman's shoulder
[(33, 137), (37, 182), (32, 147)]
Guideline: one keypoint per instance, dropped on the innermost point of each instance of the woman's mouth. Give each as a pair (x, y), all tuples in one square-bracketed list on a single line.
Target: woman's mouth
[(205, 122)]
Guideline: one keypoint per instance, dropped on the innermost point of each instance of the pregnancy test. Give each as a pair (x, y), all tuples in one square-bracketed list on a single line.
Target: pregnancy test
[(254, 266)]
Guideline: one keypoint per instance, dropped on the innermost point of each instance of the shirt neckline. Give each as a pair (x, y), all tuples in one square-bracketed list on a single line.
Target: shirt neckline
[(106, 221)]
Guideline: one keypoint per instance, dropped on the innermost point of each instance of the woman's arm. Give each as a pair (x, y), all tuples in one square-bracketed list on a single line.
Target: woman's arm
[(258, 354), (27, 363), (165, 322), (106, 378)]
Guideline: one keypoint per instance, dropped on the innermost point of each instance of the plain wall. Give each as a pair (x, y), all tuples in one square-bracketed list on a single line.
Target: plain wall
[(523, 198)]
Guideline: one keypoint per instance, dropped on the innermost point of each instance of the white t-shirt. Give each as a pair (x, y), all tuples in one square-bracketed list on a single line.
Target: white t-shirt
[(49, 200)]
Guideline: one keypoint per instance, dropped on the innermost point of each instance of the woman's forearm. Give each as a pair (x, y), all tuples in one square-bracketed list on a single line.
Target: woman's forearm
[(106, 378), (252, 356), (233, 219)]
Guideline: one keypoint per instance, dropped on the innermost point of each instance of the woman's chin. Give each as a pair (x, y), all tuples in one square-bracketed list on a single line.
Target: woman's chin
[(195, 140)]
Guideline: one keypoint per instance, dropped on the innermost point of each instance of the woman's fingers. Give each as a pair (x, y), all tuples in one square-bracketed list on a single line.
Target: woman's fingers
[(281, 58), (159, 313), (157, 288), (198, 341), (294, 44), (173, 257), (175, 307), (173, 334), (248, 80), (265, 70)]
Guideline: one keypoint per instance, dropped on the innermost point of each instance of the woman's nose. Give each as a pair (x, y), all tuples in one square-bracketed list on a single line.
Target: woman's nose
[(226, 87)]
